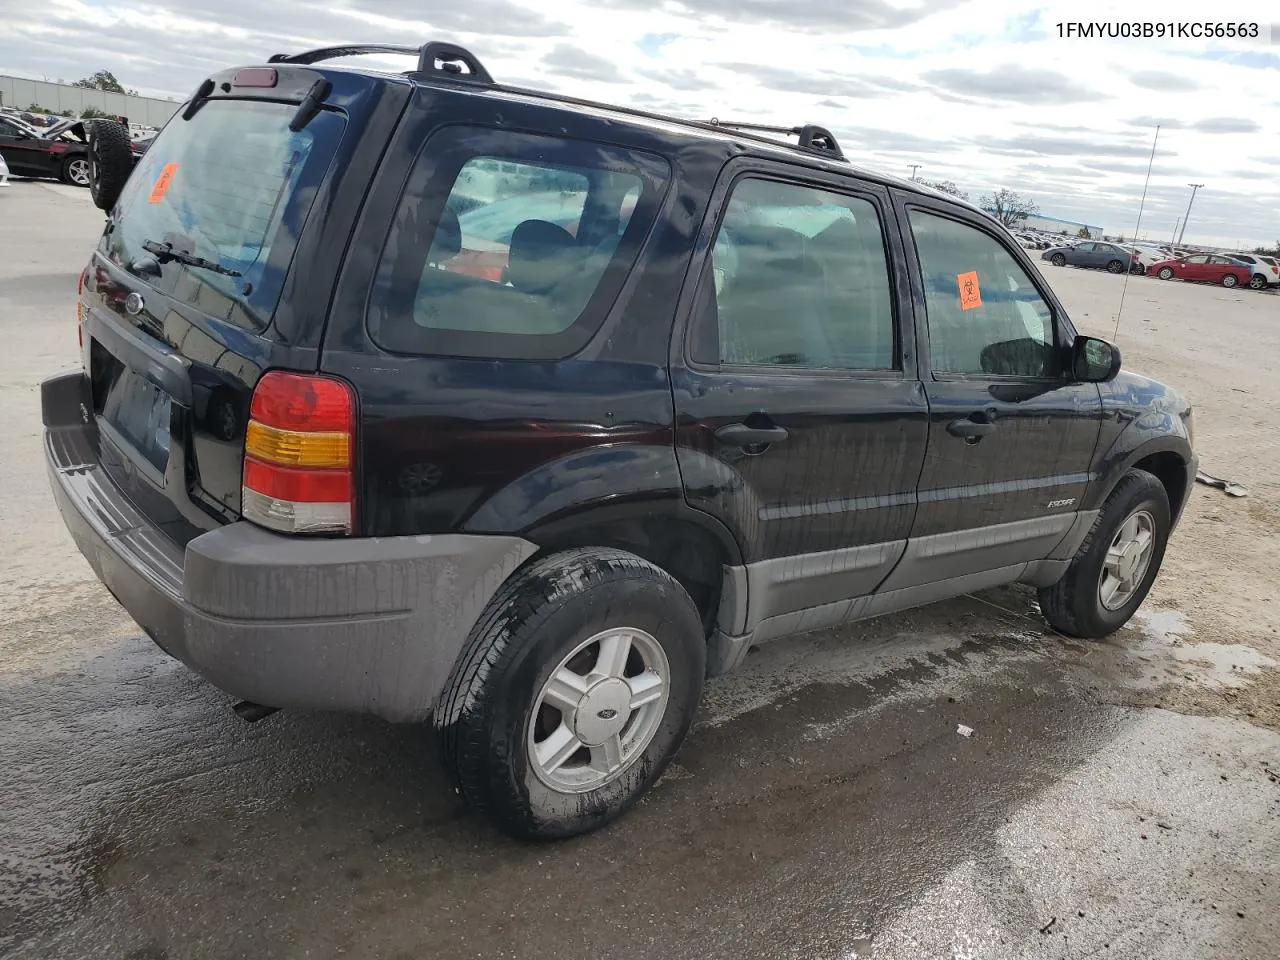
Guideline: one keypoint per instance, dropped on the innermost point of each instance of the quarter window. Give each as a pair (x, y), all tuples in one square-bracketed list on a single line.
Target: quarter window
[(510, 245), (985, 316), (798, 277)]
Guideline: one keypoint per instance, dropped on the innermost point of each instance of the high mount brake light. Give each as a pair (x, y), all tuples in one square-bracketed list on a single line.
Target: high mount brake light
[(254, 77), (298, 455)]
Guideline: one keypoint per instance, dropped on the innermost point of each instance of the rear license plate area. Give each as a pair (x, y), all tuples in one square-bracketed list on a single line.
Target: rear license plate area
[(136, 411)]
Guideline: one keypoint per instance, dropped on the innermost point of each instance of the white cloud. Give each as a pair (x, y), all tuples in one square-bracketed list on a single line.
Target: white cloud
[(983, 92)]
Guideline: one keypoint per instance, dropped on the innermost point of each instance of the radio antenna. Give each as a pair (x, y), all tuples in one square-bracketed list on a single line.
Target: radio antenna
[(1141, 203)]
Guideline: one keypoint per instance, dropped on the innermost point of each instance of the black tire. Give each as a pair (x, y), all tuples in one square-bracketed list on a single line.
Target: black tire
[(1073, 605), (1058, 260), (1230, 280), (75, 170), (1166, 273), (1258, 282), (538, 617), (110, 162), (1115, 266)]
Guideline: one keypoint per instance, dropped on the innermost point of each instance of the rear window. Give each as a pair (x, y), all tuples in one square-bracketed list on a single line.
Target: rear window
[(510, 245), (231, 186)]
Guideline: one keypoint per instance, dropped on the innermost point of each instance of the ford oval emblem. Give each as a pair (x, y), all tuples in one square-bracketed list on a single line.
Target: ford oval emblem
[(133, 305)]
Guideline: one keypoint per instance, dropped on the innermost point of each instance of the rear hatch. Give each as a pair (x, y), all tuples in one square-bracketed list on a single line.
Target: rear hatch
[(180, 307)]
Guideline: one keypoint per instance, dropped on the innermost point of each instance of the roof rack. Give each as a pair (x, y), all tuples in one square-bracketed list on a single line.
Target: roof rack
[(435, 59), (447, 61), (810, 136)]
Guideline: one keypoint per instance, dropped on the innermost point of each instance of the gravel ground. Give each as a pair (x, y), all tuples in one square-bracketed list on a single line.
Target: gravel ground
[(1117, 799)]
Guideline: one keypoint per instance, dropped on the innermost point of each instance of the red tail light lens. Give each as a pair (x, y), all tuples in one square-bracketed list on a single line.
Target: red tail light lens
[(299, 448)]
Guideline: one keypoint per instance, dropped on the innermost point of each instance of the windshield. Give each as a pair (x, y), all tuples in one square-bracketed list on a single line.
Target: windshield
[(232, 186)]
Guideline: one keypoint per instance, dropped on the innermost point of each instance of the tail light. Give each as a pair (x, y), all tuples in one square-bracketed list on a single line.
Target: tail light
[(299, 447)]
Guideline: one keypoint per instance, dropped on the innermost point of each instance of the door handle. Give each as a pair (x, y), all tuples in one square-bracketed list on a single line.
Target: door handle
[(741, 435), (970, 430)]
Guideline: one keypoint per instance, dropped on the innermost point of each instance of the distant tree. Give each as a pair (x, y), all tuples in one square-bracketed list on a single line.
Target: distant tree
[(92, 113), (1007, 206), (946, 186), (1083, 232), (104, 80)]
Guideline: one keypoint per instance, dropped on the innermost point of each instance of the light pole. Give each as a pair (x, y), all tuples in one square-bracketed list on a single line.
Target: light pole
[(1187, 216), (914, 167)]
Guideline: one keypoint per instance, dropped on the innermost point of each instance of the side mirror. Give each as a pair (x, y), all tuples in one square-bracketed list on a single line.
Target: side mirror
[(1094, 360)]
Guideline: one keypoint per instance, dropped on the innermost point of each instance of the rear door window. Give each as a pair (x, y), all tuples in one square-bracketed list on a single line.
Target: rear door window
[(511, 245), (232, 187), (799, 278)]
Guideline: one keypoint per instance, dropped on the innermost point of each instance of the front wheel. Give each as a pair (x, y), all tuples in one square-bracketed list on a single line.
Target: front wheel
[(1116, 565), (75, 171), (1230, 280), (574, 692), (1058, 260), (1166, 273)]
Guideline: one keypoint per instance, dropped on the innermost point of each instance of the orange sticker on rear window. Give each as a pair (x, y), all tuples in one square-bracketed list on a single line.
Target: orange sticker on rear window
[(970, 294), (162, 183)]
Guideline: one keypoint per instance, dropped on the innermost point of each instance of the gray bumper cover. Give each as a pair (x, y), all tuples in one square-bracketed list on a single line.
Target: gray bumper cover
[(364, 625)]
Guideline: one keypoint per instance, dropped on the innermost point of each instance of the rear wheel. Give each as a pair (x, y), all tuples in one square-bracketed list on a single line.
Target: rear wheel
[(1117, 563), (1115, 266), (1230, 280), (575, 690), (1058, 260), (1258, 282), (75, 171), (1166, 273)]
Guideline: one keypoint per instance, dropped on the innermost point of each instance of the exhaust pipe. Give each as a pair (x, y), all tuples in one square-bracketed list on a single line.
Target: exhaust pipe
[(251, 712)]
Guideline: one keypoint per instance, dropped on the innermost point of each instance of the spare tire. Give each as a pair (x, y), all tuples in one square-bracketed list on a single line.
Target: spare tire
[(110, 161)]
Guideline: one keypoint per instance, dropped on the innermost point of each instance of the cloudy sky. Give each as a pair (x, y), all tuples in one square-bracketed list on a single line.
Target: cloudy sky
[(982, 92)]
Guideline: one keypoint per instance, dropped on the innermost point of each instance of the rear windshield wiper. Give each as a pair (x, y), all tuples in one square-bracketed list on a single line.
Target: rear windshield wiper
[(164, 252)]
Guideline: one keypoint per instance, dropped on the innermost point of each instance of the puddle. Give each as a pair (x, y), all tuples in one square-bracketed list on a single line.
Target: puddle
[(1173, 657), (1163, 626)]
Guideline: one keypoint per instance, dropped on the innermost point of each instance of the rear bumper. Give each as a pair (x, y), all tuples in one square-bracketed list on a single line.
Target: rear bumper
[(362, 625)]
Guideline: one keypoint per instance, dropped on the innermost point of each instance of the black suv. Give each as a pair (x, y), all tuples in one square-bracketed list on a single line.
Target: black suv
[(421, 395)]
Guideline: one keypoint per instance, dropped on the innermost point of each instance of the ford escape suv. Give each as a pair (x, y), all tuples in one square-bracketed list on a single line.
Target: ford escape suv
[(424, 396)]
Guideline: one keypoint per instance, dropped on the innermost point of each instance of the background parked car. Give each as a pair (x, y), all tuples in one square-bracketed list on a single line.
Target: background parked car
[(1091, 253), (1203, 268), (54, 152), (1263, 275), (139, 147)]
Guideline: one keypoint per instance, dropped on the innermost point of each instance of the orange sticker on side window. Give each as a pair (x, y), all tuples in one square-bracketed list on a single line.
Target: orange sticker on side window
[(161, 186), (970, 294)]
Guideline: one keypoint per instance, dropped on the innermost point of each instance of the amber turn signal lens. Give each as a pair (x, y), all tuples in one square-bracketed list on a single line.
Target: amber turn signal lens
[(296, 448)]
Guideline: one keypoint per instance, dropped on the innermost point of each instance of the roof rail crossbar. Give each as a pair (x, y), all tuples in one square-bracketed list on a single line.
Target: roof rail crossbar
[(810, 137), (353, 50), (434, 58)]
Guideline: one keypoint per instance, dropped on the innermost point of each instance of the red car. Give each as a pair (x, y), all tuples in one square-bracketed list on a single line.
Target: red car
[(1202, 268)]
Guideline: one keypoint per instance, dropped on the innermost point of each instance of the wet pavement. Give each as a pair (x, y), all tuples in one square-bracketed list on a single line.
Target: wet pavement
[(824, 807)]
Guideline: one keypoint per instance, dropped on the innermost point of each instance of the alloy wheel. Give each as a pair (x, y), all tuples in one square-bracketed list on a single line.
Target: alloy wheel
[(1127, 560), (598, 711)]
